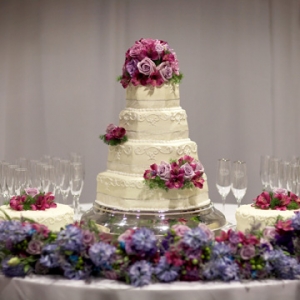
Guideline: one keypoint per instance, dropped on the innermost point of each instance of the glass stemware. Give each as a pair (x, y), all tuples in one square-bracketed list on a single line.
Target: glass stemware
[(239, 180), (264, 170), (10, 180), (64, 185), (20, 180), (76, 183), (283, 174), (274, 173), (223, 181)]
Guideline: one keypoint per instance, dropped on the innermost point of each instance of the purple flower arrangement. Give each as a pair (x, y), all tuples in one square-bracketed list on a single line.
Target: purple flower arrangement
[(280, 199), (80, 251), (114, 135), (150, 62), (182, 174)]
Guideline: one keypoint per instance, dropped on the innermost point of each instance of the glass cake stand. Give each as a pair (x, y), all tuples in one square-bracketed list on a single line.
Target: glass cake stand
[(115, 221)]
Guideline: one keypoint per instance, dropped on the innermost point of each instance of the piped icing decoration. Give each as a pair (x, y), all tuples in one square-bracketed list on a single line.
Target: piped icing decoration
[(185, 173), (279, 199), (114, 135), (32, 199), (150, 62)]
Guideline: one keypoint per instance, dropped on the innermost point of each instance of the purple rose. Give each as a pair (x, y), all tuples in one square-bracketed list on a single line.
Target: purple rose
[(188, 171), (165, 71), (146, 66), (87, 237), (31, 192), (247, 252), (159, 47), (180, 229), (210, 234), (136, 50), (34, 247), (163, 170), (131, 67)]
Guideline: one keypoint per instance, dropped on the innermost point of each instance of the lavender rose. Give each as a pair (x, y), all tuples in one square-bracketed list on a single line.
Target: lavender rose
[(159, 47), (131, 67), (269, 232), (34, 247), (188, 171), (136, 50), (163, 170), (247, 252), (165, 71), (180, 229), (146, 66), (110, 128)]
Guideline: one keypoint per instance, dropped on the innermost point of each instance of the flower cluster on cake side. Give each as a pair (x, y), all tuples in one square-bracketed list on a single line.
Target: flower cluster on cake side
[(32, 199), (279, 199), (138, 257), (150, 62), (182, 174), (114, 135)]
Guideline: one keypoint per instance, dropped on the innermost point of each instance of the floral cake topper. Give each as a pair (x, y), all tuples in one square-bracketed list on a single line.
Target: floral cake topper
[(32, 199), (114, 135), (279, 199), (150, 62), (184, 173)]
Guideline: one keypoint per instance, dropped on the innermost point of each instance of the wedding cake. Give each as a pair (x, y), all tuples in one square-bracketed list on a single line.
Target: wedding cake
[(267, 208), (155, 165)]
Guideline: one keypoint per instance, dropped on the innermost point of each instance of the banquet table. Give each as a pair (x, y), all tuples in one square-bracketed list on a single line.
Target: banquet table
[(48, 287)]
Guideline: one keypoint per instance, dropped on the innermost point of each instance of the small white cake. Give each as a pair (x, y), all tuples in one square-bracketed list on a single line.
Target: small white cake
[(54, 218)]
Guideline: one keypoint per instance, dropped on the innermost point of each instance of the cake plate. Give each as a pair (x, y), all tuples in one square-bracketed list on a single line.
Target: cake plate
[(115, 221)]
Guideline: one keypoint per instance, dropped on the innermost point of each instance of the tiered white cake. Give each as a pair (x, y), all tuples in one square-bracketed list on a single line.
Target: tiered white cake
[(157, 130)]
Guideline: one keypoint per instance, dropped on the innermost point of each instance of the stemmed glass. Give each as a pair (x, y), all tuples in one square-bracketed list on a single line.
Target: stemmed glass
[(10, 180), (76, 183), (274, 173), (264, 170), (283, 174), (223, 182), (64, 185), (20, 180), (239, 180)]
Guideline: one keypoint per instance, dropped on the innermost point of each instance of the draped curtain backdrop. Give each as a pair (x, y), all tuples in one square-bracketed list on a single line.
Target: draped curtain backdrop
[(59, 61)]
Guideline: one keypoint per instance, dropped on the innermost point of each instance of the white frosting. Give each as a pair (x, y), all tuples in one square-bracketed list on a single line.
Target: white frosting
[(138, 155), (158, 124), (247, 215), (121, 190), (54, 218)]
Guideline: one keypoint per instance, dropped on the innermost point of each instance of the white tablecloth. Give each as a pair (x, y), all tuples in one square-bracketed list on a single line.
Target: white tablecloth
[(55, 287)]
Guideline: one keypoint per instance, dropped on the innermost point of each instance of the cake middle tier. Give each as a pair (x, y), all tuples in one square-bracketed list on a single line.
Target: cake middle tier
[(127, 192), (157, 124), (136, 156)]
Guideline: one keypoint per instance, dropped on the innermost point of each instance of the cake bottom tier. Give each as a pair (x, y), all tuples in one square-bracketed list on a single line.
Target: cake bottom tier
[(126, 192), (54, 218), (248, 216)]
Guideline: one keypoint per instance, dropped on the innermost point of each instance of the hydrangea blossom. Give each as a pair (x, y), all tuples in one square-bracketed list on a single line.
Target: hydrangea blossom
[(101, 254), (50, 256), (140, 273), (195, 239), (166, 272), (143, 242), (71, 239)]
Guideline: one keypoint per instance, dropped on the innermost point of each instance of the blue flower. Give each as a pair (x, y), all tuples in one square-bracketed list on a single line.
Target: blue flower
[(71, 271), (144, 241), (12, 270), (220, 250), (70, 239), (140, 273), (12, 232), (166, 272), (50, 256), (195, 238), (296, 221), (101, 253), (224, 269)]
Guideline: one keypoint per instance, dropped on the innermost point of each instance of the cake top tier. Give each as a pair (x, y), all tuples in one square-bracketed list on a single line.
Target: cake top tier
[(150, 62)]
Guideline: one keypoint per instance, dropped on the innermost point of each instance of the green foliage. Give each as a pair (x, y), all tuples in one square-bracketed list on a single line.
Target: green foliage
[(292, 205), (113, 142)]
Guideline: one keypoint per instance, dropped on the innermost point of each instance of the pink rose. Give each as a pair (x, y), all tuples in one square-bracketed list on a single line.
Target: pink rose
[(146, 66), (118, 132), (180, 229), (31, 192), (159, 47), (269, 232), (208, 232), (136, 50), (247, 252), (110, 128)]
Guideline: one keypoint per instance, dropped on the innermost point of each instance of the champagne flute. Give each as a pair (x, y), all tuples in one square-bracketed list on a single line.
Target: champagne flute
[(239, 180), (20, 180), (264, 170), (76, 184), (3, 179), (10, 180), (223, 182), (283, 174), (64, 185), (274, 173)]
